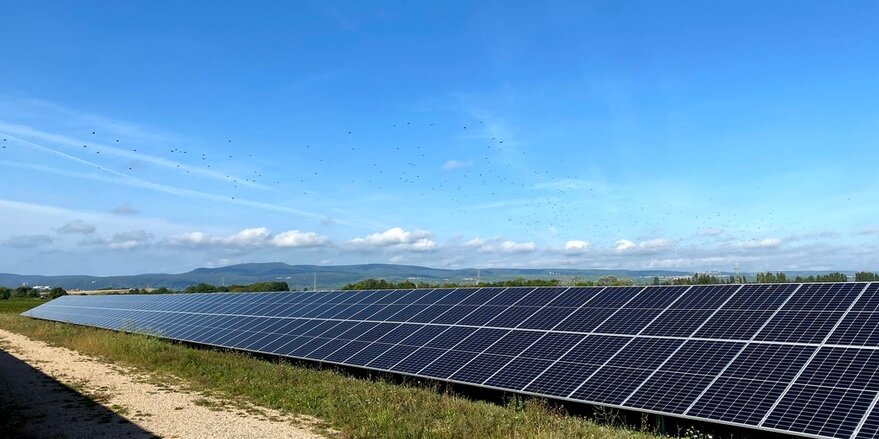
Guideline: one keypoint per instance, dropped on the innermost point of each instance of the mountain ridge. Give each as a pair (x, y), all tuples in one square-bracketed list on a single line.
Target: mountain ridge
[(300, 276)]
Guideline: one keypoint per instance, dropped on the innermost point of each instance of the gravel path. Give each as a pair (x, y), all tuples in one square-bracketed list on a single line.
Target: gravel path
[(52, 392)]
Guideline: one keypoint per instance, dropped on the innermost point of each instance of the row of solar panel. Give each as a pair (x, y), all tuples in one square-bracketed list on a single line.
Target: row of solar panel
[(723, 380), (657, 374), (798, 321)]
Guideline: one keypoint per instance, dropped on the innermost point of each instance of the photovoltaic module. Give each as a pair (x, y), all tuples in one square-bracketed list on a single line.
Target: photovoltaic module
[(790, 358)]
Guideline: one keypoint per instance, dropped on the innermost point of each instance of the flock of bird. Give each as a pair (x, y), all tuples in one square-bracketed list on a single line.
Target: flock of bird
[(497, 184)]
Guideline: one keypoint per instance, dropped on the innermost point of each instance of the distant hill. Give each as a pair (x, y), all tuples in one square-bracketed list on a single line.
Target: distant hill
[(302, 276)]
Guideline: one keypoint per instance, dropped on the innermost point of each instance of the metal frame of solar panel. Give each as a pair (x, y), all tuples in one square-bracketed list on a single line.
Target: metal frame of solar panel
[(790, 358)]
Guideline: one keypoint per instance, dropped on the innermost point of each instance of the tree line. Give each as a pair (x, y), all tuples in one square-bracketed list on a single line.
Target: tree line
[(26, 291), (382, 284)]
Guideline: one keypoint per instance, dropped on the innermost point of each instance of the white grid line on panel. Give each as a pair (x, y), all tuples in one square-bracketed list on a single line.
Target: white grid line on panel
[(812, 357), (747, 343)]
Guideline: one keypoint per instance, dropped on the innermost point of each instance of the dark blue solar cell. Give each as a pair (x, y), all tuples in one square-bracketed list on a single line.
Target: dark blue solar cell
[(447, 364), (585, 319), (546, 318), (575, 297), (561, 379), (509, 297), (346, 351), (451, 337), (429, 313), (431, 297), (481, 296), (512, 317), (843, 367), (339, 329), (769, 362), (377, 332), (368, 354), (399, 333), (357, 330), (595, 349), (677, 322), (734, 324), (869, 300), (386, 312), (552, 346), (481, 339), (611, 384), (424, 335), (307, 347), (540, 297), (870, 429), (670, 392), (704, 297), (480, 368), (368, 311), (628, 321), (328, 348), (406, 313), (518, 373), (820, 410), (656, 297), (320, 328), (647, 353), (800, 326), (702, 357), (455, 297), (454, 314), (391, 356), (614, 297), (744, 401), (765, 297), (345, 313), (482, 315), (271, 345), (824, 297), (857, 328), (514, 343), (418, 360)]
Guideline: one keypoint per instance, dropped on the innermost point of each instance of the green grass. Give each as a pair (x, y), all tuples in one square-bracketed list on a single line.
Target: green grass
[(354, 407), (16, 305)]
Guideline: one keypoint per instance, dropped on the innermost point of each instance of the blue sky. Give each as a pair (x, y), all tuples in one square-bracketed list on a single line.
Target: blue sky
[(679, 135)]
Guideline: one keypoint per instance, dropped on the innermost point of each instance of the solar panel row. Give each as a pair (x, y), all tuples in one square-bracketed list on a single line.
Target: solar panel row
[(786, 357)]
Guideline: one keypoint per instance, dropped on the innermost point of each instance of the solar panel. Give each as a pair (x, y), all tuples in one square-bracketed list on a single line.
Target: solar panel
[(789, 358)]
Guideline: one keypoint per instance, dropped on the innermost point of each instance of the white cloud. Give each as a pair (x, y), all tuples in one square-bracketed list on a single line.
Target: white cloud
[(295, 238), (27, 241), (643, 247), (452, 165), (869, 230), (396, 237), (517, 247), (761, 243), (576, 246), (625, 245), (129, 240), (79, 227), (253, 237), (475, 242)]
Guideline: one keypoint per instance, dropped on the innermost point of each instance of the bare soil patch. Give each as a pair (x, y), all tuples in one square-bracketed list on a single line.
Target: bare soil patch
[(59, 393)]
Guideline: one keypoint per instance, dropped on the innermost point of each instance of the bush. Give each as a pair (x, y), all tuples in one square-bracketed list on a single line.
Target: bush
[(57, 292)]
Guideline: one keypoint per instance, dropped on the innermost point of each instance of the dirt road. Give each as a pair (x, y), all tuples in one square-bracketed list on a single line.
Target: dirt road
[(52, 392)]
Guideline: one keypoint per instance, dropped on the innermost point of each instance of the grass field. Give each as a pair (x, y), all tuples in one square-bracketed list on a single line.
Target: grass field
[(355, 407)]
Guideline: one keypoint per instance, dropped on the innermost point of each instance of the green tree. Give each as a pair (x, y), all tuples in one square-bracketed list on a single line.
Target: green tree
[(57, 292), (864, 276), (5, 293)]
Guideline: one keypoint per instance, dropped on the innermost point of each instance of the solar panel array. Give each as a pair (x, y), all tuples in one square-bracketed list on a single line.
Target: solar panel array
[(790, 358)]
